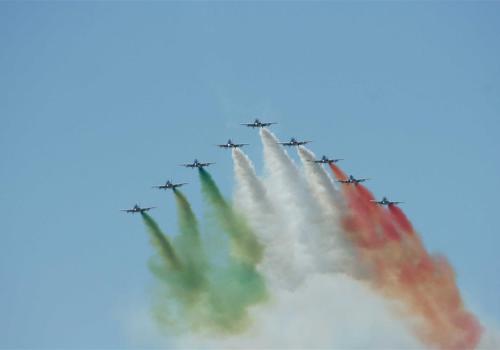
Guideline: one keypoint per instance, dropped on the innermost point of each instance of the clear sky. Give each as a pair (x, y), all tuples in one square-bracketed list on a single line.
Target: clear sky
[(99, 101)]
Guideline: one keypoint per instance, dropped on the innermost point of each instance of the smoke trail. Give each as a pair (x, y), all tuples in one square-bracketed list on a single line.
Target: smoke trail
[(310, 231), (188, 244), (236, 286), (252, 199), (334, 253), (161, 242), (401, 219), (288, 192), (245, 245), (178, 294), (339, 174), (404, 270), (320, 182), (197, 294)]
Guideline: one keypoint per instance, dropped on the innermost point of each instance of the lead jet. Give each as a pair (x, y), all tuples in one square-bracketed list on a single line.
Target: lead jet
[(352, 180), (385, 201), (258, 124), (169, 185), (293, 142), (196, 164), (230, 144), (325, 160), (137, 209)]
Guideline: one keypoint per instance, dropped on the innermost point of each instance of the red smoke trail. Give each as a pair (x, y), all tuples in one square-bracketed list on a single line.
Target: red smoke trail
[(364, 193), (339, 174), (359, 219), (388, 226), (360, 215), (404, 270), (401, 218)]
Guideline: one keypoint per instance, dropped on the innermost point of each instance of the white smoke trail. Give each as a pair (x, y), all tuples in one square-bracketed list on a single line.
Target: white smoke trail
[(321, 183), (288, 192), (250, 193), (314, 223), (334, 252), (252, 202)]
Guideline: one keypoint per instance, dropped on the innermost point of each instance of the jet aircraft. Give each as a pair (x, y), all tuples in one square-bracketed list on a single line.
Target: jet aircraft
[(258, 124), (230, 144), (385, 201), (293, 142), (169, 185), (325, 160), (352, 180), (196, 164), (137, 209)]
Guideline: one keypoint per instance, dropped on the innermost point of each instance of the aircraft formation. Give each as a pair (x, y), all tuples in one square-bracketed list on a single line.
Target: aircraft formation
[(169, 185)]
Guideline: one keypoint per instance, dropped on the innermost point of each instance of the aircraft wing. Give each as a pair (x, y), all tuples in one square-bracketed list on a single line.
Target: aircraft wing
[(127, 210), (343, 181), (187, 165), (206, 164), (241, 144), (286, 143), (268, 124), (179, 185), (248, 124), (146, 209)]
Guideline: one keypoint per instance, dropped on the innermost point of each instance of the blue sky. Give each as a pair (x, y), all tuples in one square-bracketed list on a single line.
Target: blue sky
[(99, 101)]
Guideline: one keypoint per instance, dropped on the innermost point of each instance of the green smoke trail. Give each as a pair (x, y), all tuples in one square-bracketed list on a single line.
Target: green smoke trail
[(178, 296), (245, 245), (161, 243), (189, 246), (239, 285), (202, 286)]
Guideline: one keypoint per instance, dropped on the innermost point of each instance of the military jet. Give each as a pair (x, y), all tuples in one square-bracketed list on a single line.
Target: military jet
[(325, 160), (196, 164), (352, 180), (258, 124), (293, 142), (230, 144), (385, 201), (137, 209), (169, 185)]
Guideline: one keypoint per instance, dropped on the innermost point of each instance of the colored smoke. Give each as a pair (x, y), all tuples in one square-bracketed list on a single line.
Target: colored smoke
[(298, 262)]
